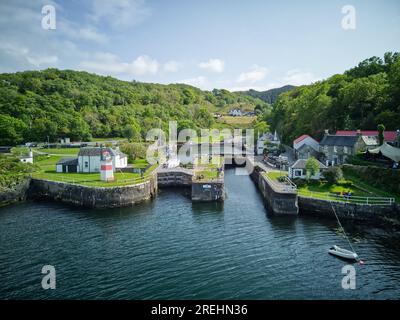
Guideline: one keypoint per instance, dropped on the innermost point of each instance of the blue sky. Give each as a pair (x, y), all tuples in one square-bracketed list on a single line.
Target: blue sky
[(232, 44)]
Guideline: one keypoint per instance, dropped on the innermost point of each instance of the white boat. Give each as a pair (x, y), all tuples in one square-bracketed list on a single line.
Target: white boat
[(343, 253)]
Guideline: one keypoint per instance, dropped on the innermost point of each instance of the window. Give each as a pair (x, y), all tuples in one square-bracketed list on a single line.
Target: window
[(298, 173), (86, 164), (345, 150), (335, 149)]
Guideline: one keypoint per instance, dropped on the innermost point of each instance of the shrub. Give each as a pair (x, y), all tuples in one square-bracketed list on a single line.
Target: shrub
[(333, 175)]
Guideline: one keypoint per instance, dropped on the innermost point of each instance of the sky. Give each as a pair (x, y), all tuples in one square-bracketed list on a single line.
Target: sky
[(230, 44)]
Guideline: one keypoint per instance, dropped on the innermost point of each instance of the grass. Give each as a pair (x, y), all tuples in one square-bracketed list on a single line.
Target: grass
[(140, 163), (350, 184), (90, 179), (60, 151), (206, 169), (241, 122), (108, 139), (47, 171), (275, 175), (206, 175)]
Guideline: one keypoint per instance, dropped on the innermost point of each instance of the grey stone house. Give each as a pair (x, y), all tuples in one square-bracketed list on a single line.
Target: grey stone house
[(336, 149)]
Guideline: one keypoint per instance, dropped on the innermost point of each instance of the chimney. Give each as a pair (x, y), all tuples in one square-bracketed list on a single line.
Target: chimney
[(359, 132), (326, 132)]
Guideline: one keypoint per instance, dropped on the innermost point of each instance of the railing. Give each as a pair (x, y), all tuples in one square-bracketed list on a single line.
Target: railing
[(287, 186), (96, 183), (378, 201), (99, 183)]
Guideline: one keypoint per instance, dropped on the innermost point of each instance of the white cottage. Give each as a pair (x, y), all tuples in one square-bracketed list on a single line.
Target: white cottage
[(89, 158), (27, 158), (298, 170)]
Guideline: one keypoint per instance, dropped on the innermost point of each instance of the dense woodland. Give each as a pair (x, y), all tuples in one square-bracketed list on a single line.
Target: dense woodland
[(269, 96), (52, 103), (361, 98)]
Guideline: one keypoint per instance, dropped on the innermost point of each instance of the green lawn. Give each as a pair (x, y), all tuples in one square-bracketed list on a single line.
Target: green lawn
[(206, 175), (46, 162), (108, 139), (241, 122), (350, 184), (206, 169), (324, 187), (140, 163), (47, 165), (90, 179), (275, 175), (62, 151)]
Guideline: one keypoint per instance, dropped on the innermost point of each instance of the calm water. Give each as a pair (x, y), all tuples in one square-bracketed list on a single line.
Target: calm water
[(170, 248)]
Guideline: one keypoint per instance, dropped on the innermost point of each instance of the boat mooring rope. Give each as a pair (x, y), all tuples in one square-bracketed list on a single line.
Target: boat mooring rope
[(344, 232)]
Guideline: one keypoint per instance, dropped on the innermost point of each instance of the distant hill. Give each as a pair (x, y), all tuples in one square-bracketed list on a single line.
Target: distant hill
[(269, 96), (52, 103)]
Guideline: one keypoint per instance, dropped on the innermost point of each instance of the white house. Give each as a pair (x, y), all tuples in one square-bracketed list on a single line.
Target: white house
[(27, 158), (235, 112), (267, 136), (305, 147), (298, 170), (88, 160)]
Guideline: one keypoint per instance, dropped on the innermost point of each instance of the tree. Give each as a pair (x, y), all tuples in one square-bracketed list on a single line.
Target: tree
[(131, 132), (312, 167), (134, 151), (333, 175), (12, 130), (381, 131)]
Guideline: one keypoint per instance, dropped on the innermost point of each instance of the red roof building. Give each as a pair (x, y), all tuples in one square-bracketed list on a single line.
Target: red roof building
[(390, 136)]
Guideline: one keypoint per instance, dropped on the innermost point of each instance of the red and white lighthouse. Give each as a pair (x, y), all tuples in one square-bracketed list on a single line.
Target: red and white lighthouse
[(106, 166)]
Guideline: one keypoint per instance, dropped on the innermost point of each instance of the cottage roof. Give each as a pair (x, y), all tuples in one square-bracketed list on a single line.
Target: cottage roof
[(301, 138), (68, 161), (388, 135), (301, 164), (96, 151), (346, 141)]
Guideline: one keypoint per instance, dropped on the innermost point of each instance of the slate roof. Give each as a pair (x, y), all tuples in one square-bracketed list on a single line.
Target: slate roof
[(96, 151), (301, 164), (68, 161), (346, 141)]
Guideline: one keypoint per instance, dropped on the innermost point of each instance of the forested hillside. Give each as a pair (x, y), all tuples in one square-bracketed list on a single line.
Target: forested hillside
[(361, 98), (269, 96), (80, 105)]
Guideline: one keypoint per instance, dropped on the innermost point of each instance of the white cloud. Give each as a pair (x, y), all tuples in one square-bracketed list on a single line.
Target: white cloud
[(88, 33), (25, 55), (171, 66), (110, 64), (42, 60), (297, 77), (213, 65), (200, 82), (120, 13), (256, 74)]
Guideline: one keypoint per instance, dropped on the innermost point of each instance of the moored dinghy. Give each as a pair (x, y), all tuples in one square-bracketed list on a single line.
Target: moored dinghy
[(343, 253)]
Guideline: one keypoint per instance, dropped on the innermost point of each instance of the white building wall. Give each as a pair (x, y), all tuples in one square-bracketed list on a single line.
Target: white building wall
[(87, 164)]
